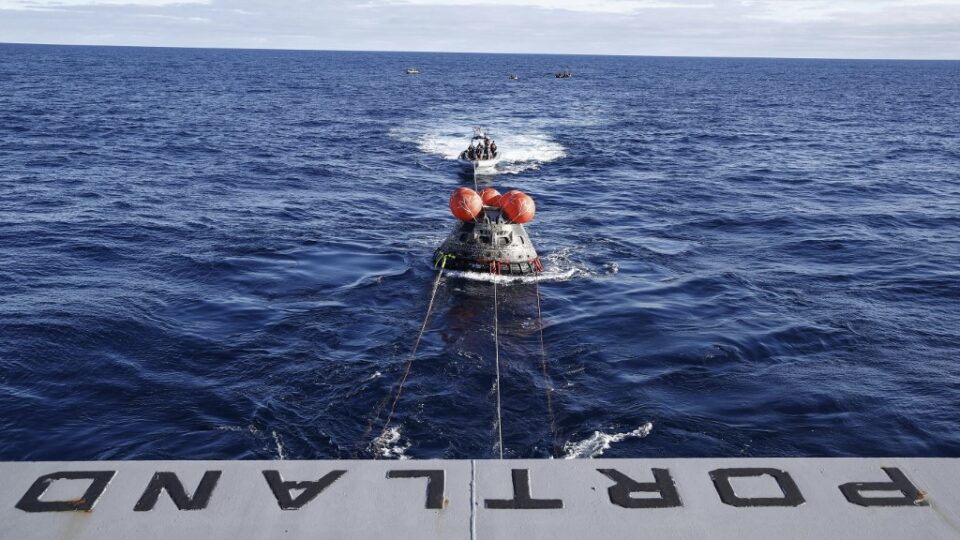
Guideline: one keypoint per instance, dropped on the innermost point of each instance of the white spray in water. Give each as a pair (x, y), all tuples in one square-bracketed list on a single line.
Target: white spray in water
[(599, 442), (520, 151), (281, 455), (388, 445)]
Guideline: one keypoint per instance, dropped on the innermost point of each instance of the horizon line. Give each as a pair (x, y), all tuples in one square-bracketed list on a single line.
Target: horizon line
[(626, 55)]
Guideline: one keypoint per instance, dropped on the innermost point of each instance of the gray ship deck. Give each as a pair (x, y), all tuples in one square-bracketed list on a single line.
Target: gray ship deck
[(472, 499)]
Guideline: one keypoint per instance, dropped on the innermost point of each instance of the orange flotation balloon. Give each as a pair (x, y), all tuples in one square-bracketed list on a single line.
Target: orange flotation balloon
[(490, 196), (466, 204), (506, 197), (518, 207)]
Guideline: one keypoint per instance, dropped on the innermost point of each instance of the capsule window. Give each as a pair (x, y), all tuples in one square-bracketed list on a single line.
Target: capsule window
[(485, 239)]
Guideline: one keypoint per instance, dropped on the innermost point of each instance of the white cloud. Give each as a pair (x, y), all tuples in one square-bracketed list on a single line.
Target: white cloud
[(802, 11), (783, 28), (586, 6), (59, 4)]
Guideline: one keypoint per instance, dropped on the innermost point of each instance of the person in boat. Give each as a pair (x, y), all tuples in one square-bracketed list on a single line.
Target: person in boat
[(493, 148), (471, 152)]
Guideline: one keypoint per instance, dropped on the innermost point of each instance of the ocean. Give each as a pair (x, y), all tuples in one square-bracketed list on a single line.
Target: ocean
[(226, 254)]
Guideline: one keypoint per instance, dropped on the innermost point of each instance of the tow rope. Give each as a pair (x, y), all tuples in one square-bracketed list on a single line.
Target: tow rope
[(496, 349), (413, 355), (441, 261), (543, 368)]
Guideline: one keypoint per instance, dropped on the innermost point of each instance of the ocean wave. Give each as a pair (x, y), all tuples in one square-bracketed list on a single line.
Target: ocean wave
[(253, 261)]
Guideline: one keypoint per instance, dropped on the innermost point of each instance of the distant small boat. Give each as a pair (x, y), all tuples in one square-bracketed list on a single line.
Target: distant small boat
[(565, 74), (413, 71), (513, 77)]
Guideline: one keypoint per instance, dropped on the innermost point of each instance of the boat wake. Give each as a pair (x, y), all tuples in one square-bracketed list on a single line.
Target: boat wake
[(600, 442), (520, 151)]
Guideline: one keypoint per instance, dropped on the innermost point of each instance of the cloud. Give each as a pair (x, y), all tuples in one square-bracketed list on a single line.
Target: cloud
[(785, 28), (802, 11), (42, 5), (585, 6)]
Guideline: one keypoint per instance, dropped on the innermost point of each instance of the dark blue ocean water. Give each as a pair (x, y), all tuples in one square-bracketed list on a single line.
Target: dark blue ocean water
[(226, 254)]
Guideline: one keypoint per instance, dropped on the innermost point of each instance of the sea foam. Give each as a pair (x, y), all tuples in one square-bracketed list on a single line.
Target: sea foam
[(600, 442)]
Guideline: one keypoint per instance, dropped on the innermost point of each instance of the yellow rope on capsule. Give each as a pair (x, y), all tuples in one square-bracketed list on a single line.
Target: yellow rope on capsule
[(441, 260)]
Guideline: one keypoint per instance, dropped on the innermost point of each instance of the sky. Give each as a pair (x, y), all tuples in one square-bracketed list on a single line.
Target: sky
[(911, 29)]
